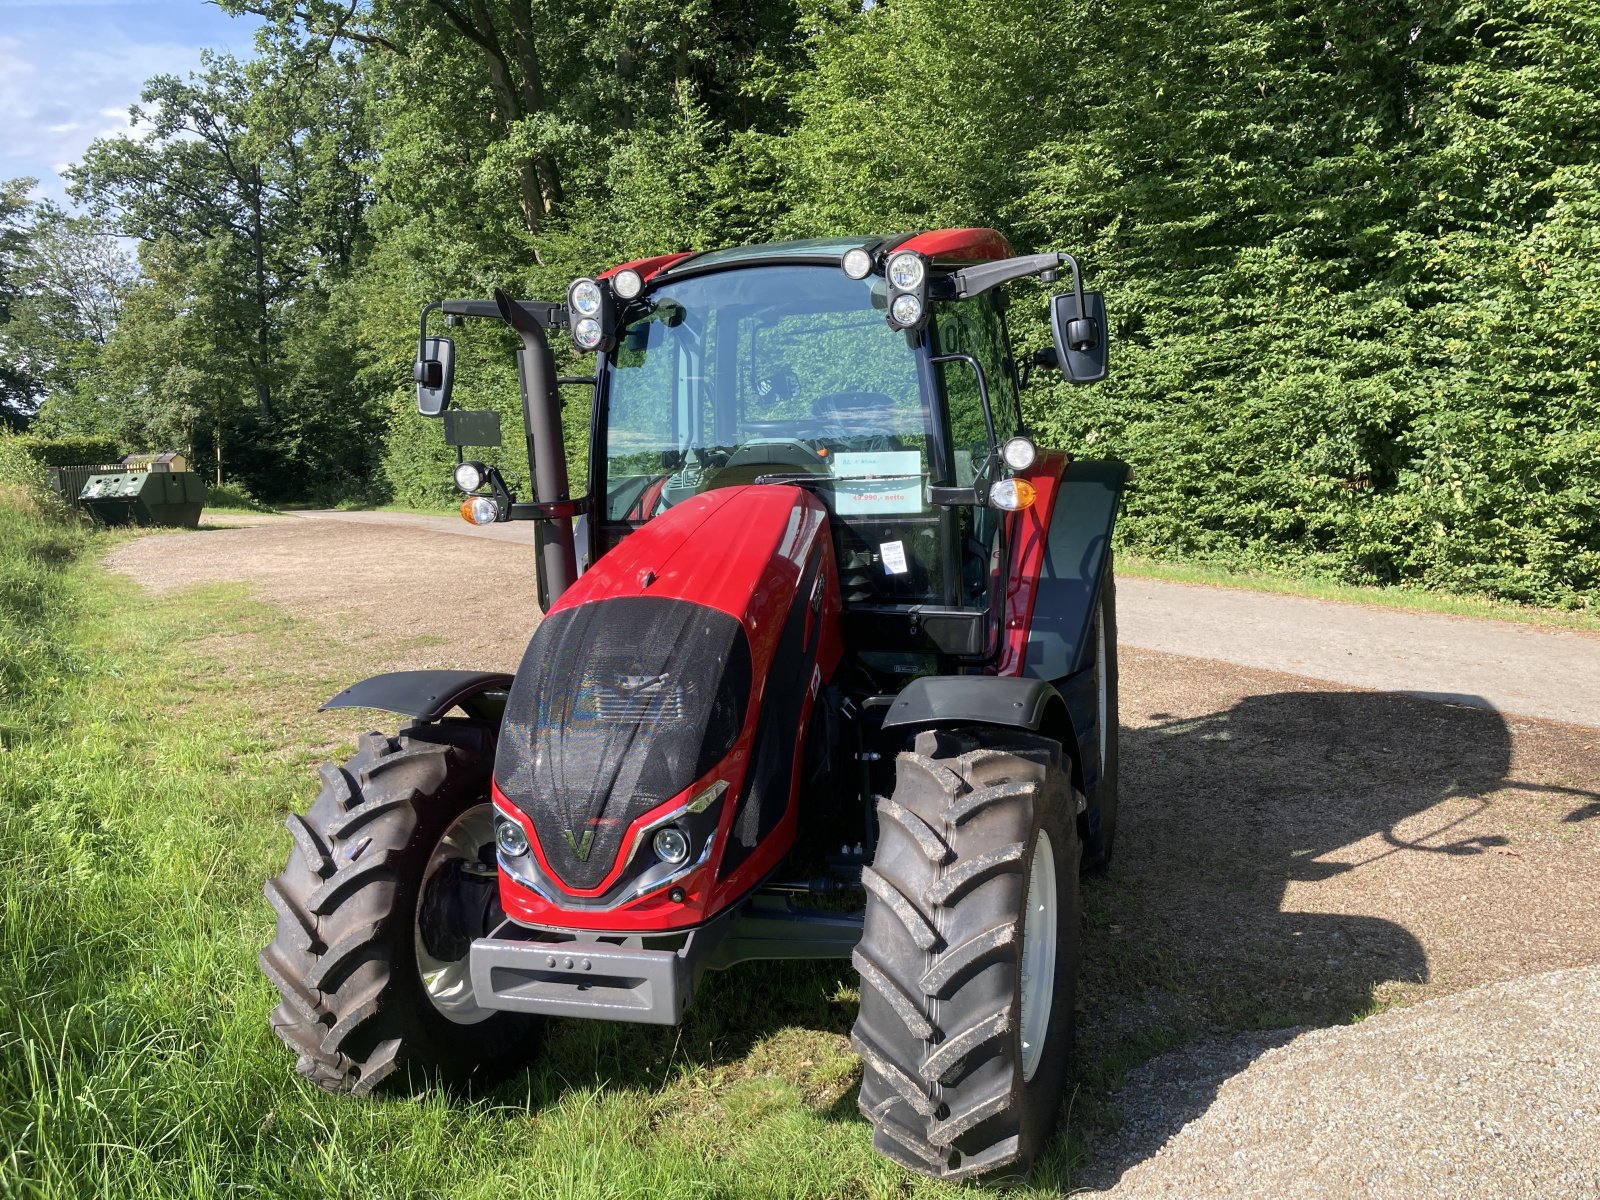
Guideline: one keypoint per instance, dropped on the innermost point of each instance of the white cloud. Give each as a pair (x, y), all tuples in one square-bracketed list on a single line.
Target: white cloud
[(67, 78)]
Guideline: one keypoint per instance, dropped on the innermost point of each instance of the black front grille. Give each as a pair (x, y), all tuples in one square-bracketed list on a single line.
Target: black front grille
[(618, 706)]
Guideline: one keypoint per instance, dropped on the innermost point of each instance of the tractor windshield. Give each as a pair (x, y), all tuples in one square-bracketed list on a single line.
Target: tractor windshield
[(786, 374), (762, 372)]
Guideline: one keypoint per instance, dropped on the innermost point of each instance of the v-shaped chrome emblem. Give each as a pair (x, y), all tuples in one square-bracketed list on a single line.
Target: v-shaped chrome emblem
[(580, 846)]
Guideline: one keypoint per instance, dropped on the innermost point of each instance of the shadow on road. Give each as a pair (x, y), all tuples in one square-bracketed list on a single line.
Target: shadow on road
[(1222, 813)]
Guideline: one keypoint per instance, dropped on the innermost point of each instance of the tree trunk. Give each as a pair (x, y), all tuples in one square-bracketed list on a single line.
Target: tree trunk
[(263, 367)]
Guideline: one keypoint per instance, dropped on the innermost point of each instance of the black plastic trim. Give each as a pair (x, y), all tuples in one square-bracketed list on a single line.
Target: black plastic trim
[(428, 695), (972, 699)]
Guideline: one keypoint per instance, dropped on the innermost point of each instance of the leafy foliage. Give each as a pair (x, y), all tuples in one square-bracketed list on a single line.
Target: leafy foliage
[(1349, 249)]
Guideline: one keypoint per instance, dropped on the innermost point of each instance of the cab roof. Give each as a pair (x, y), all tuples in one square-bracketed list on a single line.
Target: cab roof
[(940, 245)]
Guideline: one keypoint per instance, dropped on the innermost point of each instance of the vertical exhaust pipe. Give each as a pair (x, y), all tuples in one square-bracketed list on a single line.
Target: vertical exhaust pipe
[(547, 448)]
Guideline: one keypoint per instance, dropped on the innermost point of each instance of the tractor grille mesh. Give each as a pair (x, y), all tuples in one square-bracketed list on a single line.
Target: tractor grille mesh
[(618, 706)]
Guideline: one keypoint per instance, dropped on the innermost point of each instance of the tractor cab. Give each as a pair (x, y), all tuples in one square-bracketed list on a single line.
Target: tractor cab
[(876, 373), (783, 370)]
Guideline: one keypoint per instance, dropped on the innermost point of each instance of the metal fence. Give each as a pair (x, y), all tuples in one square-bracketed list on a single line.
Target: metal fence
[(68, 481)]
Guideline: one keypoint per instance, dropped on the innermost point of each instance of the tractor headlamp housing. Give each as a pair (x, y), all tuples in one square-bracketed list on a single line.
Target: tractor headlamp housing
[(907, 270), (907, 276), (670, 844), (589, 306), (857, 263), (585, 298), (906, 310), (510, 837), (470, 476), (588, 335), (627, 283)]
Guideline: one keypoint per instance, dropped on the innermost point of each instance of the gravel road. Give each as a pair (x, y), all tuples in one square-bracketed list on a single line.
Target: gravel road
[(1306, 838)]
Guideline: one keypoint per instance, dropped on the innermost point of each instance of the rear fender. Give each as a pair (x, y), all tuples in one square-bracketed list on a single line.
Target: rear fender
[(428, 695), (1060, 562)]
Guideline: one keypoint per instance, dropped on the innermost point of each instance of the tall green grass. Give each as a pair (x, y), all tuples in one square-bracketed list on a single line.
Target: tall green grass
[(153, 747)]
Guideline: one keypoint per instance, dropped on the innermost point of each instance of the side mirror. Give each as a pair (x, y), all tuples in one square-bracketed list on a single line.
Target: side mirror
[(1080, 333), (434, 371)]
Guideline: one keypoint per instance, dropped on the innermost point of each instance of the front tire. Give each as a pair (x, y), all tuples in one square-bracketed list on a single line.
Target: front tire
[(390, 878), (968, 958)]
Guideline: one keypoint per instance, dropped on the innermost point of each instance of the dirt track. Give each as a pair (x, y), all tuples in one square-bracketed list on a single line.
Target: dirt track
[(1292, 852)]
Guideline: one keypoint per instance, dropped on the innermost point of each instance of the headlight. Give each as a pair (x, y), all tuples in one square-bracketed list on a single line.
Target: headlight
[(480, 510), (587, 333), (670, 844), (627, 284), (1019, 453), (470, 476), (906, 271), (584, 298), (906, 310), (508, 835), (857, 263), (1012, 494)]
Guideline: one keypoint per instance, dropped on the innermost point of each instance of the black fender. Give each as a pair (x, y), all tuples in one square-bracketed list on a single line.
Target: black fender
[(428, 695), (977, 700), (1077, 554)]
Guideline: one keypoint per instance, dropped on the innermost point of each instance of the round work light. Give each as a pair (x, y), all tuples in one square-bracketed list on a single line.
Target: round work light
[(627, 284), (1019, 453), (470, 476), (857, 263), (906, 271)]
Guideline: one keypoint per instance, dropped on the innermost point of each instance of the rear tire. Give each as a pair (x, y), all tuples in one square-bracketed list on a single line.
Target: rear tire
[(382, 889), (962, 1069)]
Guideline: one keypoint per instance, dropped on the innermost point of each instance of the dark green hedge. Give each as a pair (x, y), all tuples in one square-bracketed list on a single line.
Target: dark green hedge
[(72, 451)]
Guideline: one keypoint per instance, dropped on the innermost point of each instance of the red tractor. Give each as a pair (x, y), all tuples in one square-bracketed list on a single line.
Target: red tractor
[(827, 670)]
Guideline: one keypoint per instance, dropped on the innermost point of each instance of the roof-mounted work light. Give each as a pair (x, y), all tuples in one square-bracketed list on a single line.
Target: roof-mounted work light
[(857, 263), (589, 303), (907, 273)]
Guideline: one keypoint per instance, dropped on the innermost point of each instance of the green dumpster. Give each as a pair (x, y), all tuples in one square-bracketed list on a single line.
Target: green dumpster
[(146, 490)]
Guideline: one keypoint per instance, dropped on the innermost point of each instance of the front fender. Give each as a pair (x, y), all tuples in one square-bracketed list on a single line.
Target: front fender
[(428, 695), (975, 700)]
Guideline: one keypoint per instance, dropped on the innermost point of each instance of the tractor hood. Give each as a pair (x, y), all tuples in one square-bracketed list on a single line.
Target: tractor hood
[(644, 686)]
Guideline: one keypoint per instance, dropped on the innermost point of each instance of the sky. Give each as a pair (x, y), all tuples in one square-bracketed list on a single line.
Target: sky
[(69, 69)]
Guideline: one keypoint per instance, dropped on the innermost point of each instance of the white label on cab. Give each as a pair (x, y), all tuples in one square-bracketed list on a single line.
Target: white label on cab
[(894, 557), (877, 482)]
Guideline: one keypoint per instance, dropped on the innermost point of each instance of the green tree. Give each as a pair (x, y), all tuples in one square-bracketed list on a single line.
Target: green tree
[(17, 385)]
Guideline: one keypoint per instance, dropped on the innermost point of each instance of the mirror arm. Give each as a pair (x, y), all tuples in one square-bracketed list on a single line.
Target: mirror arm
[(422, 331), (983, 391)]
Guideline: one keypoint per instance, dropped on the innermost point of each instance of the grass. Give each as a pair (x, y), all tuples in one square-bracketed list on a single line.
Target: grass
[(1412, 599)]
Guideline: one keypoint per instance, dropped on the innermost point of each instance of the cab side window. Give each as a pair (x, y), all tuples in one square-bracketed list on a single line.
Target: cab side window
[(973, 327)]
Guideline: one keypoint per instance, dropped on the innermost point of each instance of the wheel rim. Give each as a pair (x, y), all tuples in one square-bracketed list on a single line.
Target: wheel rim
[(1039, 924), (448, 982)]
